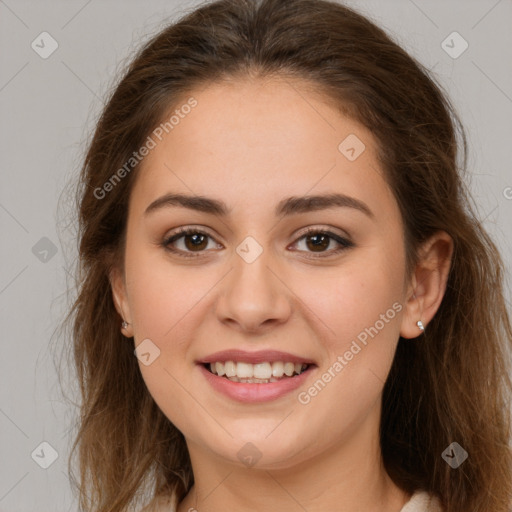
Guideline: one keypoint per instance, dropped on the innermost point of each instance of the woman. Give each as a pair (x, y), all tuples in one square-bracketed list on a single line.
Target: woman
[(286, 301)]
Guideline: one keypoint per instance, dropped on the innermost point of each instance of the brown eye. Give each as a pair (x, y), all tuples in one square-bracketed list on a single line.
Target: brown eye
[(318, 241), (193, 241)]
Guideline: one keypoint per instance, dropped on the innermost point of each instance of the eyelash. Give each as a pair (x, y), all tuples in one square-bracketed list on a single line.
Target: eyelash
[(180, 233)]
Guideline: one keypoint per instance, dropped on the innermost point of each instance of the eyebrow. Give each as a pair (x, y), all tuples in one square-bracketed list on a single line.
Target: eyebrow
[(288, 206)]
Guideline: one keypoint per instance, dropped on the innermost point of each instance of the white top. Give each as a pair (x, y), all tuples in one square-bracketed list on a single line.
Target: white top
[(420, 501)]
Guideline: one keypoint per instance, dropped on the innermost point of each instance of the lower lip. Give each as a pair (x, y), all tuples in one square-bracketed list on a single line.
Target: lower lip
[(251, 392)]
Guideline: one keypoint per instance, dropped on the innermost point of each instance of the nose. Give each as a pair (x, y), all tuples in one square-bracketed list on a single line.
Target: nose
[(254, 297)]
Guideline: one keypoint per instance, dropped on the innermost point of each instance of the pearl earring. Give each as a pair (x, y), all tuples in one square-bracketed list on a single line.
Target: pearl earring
[(125, 325), (419, 323)]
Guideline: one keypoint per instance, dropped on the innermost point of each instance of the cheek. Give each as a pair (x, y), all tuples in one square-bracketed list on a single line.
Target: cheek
[(165, 304), (361, 309), (360, 304), (162, 293), (351, 299)]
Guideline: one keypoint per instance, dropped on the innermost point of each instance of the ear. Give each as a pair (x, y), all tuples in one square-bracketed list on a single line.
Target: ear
[(428, 283), (120, 298)]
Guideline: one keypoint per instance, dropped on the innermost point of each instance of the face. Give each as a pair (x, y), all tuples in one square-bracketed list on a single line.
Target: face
[(271, 279)]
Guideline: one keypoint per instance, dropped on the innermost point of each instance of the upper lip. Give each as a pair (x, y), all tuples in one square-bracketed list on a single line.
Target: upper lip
[(261, 356)]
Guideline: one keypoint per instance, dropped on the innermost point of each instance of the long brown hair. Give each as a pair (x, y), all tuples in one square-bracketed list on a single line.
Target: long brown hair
[(452, 385)]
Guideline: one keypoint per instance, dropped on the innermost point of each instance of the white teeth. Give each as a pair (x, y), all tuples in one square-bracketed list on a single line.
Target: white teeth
[(289, 368), (219, 369), (260, 372), (230, 368), (277, 369), (244, 370)]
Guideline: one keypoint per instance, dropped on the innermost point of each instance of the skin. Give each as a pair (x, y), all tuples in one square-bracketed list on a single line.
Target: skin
[(251, 144)]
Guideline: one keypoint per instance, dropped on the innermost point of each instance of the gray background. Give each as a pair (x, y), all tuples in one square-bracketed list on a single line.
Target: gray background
[(47, 110)]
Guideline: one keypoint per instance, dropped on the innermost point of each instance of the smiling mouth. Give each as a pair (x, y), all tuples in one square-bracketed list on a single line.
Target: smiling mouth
[(261, 373)]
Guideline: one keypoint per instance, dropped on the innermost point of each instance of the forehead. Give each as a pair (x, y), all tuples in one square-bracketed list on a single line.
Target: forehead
[(250, 142)]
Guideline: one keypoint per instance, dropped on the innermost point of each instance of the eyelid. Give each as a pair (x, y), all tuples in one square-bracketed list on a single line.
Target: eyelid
[(315, 228)]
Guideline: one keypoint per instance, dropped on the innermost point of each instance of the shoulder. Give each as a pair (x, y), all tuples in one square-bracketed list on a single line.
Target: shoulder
[(162, 503), (422, 501)]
